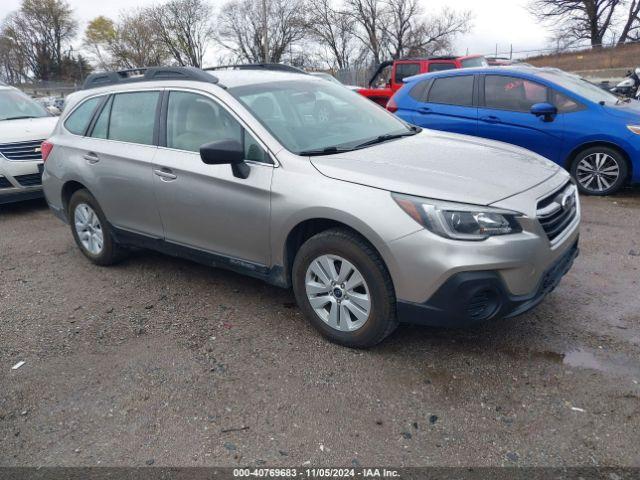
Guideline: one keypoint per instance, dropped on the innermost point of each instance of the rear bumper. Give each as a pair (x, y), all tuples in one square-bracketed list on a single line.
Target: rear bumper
[(469, 298)]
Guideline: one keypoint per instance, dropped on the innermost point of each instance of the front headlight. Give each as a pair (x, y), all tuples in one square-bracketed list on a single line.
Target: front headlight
[(458, 220), (634, 128)]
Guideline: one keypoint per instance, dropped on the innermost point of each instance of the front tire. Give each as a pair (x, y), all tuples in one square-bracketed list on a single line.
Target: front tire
[(599, 171), (91, 230), (344, 289)]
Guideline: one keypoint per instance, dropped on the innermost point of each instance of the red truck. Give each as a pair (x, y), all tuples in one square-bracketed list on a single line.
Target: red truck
[(380, 90)]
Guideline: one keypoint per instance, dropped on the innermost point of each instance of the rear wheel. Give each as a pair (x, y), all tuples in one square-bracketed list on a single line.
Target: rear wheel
[(344, 289), (91, 231), (599, 171)]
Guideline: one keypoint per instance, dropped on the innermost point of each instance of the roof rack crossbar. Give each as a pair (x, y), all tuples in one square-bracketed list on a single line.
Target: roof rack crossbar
[(147, 74)]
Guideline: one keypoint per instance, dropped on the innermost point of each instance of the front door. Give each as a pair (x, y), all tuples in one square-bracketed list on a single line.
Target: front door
[(506, 115), (205, 206)]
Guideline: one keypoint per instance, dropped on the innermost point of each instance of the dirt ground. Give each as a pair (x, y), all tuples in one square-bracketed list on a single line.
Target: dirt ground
[(159, 361)]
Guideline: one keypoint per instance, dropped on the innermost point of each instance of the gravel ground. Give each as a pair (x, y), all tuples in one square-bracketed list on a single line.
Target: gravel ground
[(165, 362)]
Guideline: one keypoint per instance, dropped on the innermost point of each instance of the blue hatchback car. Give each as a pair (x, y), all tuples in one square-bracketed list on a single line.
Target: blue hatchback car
[(587, 130)]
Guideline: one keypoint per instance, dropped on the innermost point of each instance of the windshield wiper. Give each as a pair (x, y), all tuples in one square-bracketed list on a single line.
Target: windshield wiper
[(324, 151), (19, 118), (388, 136)]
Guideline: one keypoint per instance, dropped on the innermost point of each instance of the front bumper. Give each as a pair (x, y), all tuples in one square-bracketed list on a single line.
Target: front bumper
[(20, 180), (469, 298)]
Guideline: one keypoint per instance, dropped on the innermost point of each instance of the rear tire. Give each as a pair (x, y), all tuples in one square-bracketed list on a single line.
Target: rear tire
[(92, 231), (599, 171), (354, 303)]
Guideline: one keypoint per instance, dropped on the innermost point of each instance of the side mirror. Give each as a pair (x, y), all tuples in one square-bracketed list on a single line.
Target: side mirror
[(545, 110), (53, 110), (226, 151)]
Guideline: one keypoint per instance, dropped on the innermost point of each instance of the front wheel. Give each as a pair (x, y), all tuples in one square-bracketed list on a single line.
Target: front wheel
[(599, 171), (344, 289)]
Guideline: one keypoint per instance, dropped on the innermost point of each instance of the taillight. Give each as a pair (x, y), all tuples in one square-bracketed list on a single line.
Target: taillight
[(392, 106), (45, 149)]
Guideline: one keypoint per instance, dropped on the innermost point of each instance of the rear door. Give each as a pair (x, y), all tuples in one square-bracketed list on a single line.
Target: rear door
[(505, 115), (206, 207), (449, 105), (118, 154)]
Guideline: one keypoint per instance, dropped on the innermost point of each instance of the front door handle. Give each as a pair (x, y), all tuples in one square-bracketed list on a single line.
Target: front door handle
[(424, 110), (165, 174), (91, 157), (490, 119)]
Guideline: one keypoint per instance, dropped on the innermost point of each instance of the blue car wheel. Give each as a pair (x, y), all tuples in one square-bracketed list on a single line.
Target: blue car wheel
[(599, 171)]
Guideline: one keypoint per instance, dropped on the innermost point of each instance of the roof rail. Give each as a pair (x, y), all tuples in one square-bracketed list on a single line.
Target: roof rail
[(147, 74), (280, 67)]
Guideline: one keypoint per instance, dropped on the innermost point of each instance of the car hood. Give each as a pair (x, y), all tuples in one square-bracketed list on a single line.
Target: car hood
[(627, 111), (26, 129), (442, 166)]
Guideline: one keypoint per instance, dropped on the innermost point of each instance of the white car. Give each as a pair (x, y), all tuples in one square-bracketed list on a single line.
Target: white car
[(24, 124)]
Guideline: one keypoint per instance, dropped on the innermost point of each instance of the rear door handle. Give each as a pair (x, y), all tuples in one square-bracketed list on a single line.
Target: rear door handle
[(490, 119), (91, 157), (165, 174)]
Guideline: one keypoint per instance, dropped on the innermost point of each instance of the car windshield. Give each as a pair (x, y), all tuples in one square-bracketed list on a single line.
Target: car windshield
[(15, 105), (580, 86), (475, 62), (315, 115), (326, 76)]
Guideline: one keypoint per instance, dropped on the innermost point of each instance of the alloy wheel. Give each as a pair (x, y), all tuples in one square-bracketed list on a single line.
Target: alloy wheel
[(338, 293), (88, 228), (597, 172)]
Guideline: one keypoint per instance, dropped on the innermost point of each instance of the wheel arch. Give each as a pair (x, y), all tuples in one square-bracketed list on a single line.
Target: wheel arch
[(568, 163), (306, 229), (68, 189)]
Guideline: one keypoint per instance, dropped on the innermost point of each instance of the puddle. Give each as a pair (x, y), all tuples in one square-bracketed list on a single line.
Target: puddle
[(614, 364)]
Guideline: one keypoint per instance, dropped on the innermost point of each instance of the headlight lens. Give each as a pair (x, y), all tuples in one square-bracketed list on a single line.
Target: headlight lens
[(634, 128), (457, 220)]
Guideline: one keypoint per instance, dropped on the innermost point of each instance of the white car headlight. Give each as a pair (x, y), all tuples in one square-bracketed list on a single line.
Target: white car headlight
[(459, 221)]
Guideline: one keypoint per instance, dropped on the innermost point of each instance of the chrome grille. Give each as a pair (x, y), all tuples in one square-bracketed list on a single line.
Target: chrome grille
[(557, 211), (30, 150)]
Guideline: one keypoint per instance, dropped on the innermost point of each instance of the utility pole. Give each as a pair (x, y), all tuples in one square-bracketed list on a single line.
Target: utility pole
[(265, 35)]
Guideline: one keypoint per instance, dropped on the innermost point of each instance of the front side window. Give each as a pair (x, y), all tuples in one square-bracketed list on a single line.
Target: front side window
[(133, 117), (457, 90), (512, 93), (194, 120), (305, 115), (563, 103), (404, 70), (15, 105), (78, 121)]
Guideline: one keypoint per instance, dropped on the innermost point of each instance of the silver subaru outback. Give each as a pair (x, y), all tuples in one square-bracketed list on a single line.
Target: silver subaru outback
[(305, 184)]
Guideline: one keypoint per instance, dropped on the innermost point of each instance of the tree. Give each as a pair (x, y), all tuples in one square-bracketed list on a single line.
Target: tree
[(578, 20), (632, 24), (136, 43), (184, 28), (41, 30), (409, 32), (99, 34), (370, 18), (333, 29), (241, 28)]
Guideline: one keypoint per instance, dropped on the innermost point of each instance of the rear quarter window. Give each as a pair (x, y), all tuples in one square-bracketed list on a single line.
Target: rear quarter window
[(79, 119)]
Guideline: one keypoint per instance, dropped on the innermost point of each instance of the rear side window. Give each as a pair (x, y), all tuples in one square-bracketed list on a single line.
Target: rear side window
[(475, 62), (512, 93), (456, 90), (419, 91), (404, 70), (133, 117), (440, 67), (79, 120), (101, 127)]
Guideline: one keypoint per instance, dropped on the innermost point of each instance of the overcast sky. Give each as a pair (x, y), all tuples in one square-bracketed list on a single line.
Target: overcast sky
[(501, 22)]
